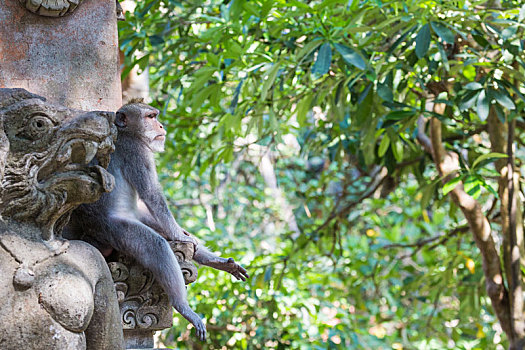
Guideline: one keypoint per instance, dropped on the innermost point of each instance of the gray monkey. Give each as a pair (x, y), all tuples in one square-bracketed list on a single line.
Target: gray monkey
[(134, 218)]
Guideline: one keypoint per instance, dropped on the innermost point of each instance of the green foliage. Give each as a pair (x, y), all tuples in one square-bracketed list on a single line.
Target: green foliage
[(372, 266)]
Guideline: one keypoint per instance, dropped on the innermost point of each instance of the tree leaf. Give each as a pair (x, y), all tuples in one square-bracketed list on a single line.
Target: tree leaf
[(399, 115), (483, 106), (272, 74), (156, 40), (469, 72), (146, 9), (479, 39), (235, 97), (473, 86), (491, 156), (468, 100), (351, 56), (511, 86), (323, 60), (427, 193), (423, 41), (450, 185), (443, 54), (472, 186), (383, 146), (384, 91), (509, 32), (308, 49), (502, 97), (443, 32), (365, 108), (302, 109), (401, 39), (397, 149)]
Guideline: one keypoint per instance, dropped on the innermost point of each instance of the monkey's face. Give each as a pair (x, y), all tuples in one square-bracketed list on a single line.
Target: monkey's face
[(156, 134), (140, 121), (157, 137), (56, 156), (155, 131)]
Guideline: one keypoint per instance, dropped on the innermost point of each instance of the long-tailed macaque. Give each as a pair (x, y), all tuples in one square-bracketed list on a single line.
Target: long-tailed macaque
[(134, 218)]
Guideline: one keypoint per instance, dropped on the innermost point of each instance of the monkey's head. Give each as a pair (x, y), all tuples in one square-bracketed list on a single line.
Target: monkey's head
[(139, 121), (54, 158)]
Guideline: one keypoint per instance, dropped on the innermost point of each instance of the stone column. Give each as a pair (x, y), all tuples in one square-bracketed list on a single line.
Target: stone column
[(72, 60)]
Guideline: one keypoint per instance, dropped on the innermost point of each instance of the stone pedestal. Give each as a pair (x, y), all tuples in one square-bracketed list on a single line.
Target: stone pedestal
[(144, 306), (71, 60)]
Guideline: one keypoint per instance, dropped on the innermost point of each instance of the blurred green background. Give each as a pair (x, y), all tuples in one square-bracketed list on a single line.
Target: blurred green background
[(292, 148)]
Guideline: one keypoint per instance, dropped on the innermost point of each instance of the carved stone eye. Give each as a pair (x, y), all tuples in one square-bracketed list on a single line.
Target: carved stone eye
[(38, 125)]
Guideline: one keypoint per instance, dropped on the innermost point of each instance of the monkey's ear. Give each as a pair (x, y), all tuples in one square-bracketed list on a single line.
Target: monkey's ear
[(121, 120)]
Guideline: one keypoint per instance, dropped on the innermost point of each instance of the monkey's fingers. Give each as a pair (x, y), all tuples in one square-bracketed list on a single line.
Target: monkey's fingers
[(244, 273), (240, 277), (240, 273), (201, 333)]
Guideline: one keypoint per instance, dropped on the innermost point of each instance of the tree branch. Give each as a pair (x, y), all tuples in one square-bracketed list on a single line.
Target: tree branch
[(423, 242), (447, 164), (515, 285)]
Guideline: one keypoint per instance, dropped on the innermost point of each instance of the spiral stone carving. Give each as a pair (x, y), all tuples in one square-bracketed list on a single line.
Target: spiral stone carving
[(51, 8)]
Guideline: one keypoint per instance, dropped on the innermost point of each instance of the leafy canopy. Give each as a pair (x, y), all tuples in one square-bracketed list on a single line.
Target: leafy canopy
[(374, 266)]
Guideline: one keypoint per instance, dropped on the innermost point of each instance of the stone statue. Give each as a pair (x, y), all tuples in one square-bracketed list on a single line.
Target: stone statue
[(51, 8), (55, 294), (59, 8)]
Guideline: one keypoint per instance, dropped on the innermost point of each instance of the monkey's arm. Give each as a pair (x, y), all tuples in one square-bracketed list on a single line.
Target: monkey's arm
[(204, 257), (160, 217)]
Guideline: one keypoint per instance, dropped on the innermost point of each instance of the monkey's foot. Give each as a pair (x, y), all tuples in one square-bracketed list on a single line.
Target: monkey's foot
[(184, 237), (195, 320)]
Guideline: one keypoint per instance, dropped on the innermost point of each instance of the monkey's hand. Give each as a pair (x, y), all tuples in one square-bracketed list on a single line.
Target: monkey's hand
[(229, 265), (205, 257)]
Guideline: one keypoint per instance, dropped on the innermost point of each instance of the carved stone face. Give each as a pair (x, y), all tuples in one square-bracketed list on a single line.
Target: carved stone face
[(51, 8), (55, 159)]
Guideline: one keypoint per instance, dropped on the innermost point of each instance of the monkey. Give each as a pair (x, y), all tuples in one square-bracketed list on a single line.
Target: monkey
[(134, 218)]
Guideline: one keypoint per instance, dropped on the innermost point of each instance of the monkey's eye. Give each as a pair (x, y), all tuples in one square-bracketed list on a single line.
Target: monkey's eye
[(151, 115), (37, 125)]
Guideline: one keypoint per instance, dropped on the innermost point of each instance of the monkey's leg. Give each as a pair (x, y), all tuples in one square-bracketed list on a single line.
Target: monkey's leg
[(147, 219), (152, 251), (205, 257)]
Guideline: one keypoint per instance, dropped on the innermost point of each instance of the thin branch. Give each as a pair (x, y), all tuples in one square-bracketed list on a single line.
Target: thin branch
[(349, 206), (423, 242), (466, 135)]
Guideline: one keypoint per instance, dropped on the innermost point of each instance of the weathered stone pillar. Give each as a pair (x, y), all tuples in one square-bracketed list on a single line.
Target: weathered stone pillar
[(72, 60)]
